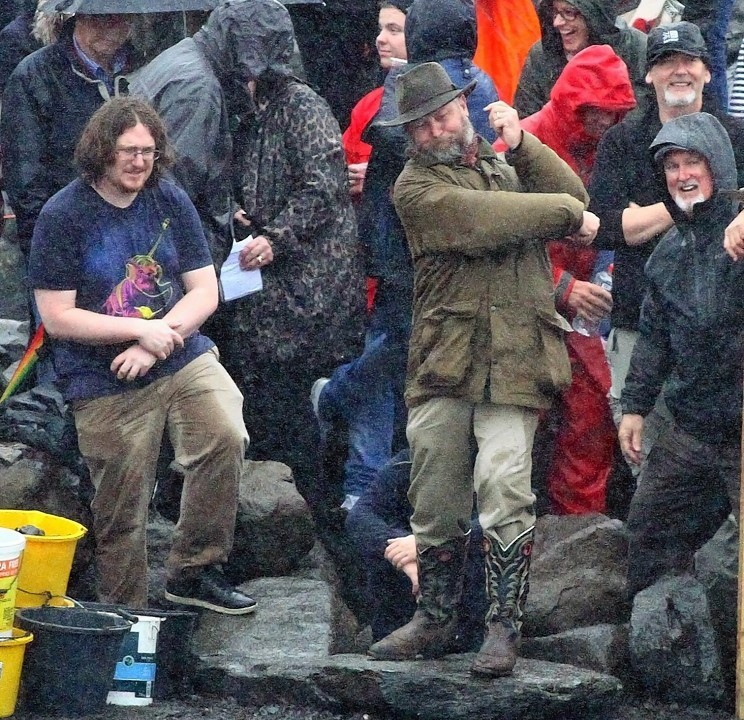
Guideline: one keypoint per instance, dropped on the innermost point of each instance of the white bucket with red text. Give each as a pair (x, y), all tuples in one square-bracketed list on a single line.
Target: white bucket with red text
[(12, 544)]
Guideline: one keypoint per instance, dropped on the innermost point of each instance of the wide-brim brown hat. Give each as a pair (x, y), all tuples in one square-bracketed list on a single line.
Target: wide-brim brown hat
[(422, 90)]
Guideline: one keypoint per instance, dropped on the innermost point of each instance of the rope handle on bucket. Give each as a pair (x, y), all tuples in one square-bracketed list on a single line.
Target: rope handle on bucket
[(114, 611), (48, 597)]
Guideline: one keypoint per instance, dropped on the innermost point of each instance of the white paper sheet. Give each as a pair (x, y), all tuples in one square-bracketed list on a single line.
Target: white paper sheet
[(234, 282)]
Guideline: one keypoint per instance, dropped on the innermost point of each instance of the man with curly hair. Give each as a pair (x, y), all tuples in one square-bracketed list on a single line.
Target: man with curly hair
[(123, 280)]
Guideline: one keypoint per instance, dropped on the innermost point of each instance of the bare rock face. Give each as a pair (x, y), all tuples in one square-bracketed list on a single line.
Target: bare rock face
[(274, 530), (672, 643), (603, 648), (578, 574)]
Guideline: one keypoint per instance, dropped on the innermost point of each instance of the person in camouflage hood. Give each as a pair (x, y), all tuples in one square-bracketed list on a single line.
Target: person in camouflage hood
[(567, 28)]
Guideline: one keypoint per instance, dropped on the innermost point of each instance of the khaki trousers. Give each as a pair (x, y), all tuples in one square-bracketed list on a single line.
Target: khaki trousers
[(120, 438), (443, 478)]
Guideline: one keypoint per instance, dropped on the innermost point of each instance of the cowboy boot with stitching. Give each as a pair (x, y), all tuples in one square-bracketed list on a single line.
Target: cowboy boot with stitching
[(431, 631), (507, 585)]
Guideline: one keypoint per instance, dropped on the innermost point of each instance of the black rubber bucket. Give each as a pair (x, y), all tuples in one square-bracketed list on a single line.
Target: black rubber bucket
[(71, 667), (174, 656)]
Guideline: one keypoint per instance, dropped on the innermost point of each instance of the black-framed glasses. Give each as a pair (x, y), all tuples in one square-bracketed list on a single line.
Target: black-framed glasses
[(132, 152), (568, 14)]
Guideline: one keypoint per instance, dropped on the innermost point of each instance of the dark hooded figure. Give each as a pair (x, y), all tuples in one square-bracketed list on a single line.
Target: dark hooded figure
[(197, 86), (568, 28), (16, 40), (291, 183), (185, 85), (692, 340)]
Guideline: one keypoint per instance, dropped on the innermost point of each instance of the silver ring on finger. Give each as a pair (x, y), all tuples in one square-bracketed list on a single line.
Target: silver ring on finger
[(260, 259)]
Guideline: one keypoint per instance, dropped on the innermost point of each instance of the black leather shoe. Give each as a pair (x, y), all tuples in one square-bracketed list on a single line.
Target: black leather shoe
[(209, 589)]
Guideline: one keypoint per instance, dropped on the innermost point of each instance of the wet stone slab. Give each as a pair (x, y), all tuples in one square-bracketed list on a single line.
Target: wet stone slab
[(429, 690)]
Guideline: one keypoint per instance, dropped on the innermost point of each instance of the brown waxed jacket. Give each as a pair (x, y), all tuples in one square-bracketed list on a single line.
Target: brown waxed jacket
[(485, 326)]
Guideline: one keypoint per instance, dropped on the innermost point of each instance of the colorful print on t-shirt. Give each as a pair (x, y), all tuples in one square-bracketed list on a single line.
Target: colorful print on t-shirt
[(142, 293)]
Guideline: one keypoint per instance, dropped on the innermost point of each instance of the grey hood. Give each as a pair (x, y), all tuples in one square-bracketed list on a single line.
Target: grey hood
[(247, 39), (702, 133)]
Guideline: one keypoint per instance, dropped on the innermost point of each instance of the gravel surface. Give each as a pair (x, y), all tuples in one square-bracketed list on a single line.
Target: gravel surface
[(203, 708)]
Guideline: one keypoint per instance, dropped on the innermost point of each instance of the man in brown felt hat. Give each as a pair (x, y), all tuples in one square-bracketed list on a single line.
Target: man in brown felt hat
[(486, 353)]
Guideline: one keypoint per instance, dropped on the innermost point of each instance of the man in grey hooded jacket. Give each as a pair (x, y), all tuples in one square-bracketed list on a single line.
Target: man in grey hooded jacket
[(692, 341), (199, 88)]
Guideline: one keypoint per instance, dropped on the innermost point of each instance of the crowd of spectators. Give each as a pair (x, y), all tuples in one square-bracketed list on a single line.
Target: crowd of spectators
[(326, 350)]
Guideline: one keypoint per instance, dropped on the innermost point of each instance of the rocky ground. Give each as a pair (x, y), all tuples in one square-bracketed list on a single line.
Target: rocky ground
[(203, 708)]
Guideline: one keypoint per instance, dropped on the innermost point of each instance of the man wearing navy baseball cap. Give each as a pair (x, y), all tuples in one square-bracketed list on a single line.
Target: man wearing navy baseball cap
[(681, 37)]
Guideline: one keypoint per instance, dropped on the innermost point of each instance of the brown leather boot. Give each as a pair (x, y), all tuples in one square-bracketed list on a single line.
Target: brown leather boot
[(431, 631), (507, 583)]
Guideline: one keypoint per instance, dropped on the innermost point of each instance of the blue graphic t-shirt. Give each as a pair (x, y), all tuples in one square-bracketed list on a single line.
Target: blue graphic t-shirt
[(123, 262)]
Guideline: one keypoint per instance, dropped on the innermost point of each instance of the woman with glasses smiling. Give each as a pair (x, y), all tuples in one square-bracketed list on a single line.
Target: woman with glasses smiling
[(567, 28)]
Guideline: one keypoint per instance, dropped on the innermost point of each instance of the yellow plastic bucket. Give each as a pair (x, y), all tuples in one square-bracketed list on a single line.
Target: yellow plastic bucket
[(11, 555), (47, 559), (12, 650)]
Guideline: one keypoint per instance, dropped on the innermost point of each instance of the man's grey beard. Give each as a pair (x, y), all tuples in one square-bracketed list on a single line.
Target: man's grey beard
[(687, 205), (672, 100), (445, 155)]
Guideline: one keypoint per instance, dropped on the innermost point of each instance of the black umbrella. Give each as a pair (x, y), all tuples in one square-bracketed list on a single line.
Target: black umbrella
[(104, 7)]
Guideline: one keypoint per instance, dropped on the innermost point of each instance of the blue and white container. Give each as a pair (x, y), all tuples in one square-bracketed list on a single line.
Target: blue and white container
[(134, 677)]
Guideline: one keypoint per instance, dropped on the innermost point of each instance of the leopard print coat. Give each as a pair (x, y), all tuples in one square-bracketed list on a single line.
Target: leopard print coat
[(295, 192)]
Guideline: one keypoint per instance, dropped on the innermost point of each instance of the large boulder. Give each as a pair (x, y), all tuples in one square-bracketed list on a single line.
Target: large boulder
[(274, 530), (578, 574), (603, 648), (717, 568), (13, 341), (672, 643)]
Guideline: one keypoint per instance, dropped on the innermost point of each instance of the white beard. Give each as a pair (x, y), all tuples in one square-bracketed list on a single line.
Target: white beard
[(686, 205), (672, 100)]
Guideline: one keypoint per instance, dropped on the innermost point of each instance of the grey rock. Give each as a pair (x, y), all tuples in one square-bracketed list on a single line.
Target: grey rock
[(672, 643), (274, 530), (603, 648), (13, 339), (11, 452), (578, 574), (428, 690), (716, 567), (9, 372), (292, 620), (281, 654), (31, 480), (347, 635), (13, 299)]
